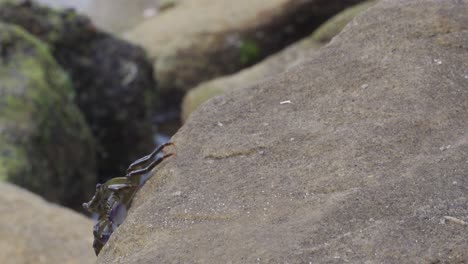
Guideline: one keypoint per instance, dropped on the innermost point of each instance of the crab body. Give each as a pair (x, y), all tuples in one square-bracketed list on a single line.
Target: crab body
[(113, 198)]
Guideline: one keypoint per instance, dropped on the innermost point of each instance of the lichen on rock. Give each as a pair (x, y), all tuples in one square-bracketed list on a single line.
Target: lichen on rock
[(45, 143), (112, 80)]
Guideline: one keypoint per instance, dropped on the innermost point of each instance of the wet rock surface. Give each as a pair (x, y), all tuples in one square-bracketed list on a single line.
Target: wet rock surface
[(366, 164), (112, 78), (45, 143), (274, 64), (199, 40), (34, 231)]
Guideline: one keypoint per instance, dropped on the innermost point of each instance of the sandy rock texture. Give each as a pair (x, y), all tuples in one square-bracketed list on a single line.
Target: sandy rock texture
[(45, 144), (200, 39), (366, 164), (274, 64), (248, 77), (34, 231)]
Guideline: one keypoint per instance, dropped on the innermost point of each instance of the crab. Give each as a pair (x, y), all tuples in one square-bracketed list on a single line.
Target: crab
[(113, 198)]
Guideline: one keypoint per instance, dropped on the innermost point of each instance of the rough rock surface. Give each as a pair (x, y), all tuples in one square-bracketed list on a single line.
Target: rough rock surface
[(34, 231), (45, 144), (367, 164), (112, 78), (273, 65), (248, 77), (200, 39)]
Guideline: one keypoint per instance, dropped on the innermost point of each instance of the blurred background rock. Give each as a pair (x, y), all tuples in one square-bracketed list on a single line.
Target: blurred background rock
[(35, 231), (109, 14), (274, 64), (111, 78)]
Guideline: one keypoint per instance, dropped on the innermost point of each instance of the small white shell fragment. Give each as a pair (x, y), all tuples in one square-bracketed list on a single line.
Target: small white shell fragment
[(285, 102)]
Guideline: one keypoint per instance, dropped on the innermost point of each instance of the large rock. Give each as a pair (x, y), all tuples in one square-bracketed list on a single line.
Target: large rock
[(200, 39), (248, 77), (273, 65), (34, 231), (112, 78), (366, 164), (45, 144)]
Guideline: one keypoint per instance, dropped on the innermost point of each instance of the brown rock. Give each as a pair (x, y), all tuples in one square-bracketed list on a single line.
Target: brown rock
[(274, 64), (248, 77), (366, 164), (34, 231), (200, 39)]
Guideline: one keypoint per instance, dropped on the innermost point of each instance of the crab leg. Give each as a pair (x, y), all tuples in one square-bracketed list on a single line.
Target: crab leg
[(143, 160), (113, 198), (149, 167)]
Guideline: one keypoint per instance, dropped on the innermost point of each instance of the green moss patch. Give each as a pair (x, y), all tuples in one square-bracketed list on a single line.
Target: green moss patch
[(45, 144)]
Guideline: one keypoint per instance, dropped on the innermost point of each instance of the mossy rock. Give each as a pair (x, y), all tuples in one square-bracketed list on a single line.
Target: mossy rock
[(112, 79), (45, 144)]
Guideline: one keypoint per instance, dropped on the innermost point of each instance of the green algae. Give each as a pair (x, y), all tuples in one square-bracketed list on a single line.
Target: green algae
[(48, 25), (45, 144), (12, 158), (113, 79)]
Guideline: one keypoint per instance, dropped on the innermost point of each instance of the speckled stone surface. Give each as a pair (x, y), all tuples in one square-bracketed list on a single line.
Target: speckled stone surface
[(367, 163), (273, 65)]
